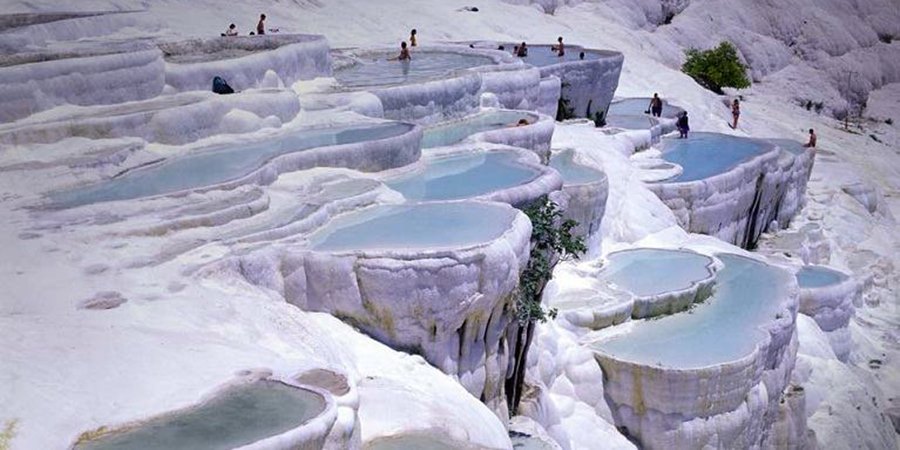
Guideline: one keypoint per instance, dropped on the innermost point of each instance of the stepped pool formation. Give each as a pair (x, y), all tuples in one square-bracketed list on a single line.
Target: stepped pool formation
[(369, 70), (830, 297), (680, 279), (745, 329), (501, 175), (588, 189), (260, 413), (453, 132), (731, 187), (215, 166), (349, 235)]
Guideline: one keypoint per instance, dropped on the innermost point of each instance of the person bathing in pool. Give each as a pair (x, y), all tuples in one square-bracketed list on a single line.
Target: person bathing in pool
[(559, 48), (404, 53), (522, 50)]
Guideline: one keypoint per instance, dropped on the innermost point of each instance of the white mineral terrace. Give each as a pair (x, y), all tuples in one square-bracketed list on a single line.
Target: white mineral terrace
[(335, 255)]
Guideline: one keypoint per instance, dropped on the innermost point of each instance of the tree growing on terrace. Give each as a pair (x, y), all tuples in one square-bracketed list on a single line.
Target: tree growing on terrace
[(716, 68)]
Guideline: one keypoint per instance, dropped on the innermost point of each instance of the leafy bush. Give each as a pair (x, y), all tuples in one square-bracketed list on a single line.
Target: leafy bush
[(551, 239), (716, 68)]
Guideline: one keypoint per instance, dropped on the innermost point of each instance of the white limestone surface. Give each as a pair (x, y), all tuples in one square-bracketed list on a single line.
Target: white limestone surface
[(169, 119), (245, 61), (87, 75)]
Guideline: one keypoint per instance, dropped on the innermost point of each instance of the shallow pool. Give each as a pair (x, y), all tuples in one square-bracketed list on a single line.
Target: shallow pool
[(455, 131), (818, 276), (417, 441), (648, 271), (544, 55), (220, 164), (239, 416), (630, 122), (377, 70), (573, 172), (639, 106), (703, 155), (724, 328), (464, 176), (415, 226), (789, 145)]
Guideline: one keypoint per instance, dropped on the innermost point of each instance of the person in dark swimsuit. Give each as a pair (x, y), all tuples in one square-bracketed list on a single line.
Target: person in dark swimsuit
[(656, 105), (404, 53), (261, 25)]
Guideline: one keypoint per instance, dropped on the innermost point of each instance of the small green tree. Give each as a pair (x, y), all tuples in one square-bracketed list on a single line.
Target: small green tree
[(551, 240), (716, 68)]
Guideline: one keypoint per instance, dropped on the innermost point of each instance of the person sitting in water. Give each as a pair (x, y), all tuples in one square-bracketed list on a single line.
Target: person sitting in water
[(231, 31), (559, 48), (522, 50), (404, 53), (522, 122), (581, 56), (412, 38), (656, 106), (261, 25), (812, 139), (683, 126)]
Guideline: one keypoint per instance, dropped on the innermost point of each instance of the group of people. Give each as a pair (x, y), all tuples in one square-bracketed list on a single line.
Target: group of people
[(260, 28), (404, 48), (681, 124)]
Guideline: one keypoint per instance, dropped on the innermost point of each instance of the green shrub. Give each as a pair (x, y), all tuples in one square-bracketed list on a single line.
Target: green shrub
[(551, 239), (716, 68)]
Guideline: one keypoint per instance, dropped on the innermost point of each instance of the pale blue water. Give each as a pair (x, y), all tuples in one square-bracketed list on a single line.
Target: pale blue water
[(416, 226), (789, 145), (542, 55), (637, 106), (464, 176), (416, 441), (217, 165), (453, 132), (630, 122), (239, 416), (703, 155), (647, 271), (722, 329), (377, 70), (572, 172), (818, 276)]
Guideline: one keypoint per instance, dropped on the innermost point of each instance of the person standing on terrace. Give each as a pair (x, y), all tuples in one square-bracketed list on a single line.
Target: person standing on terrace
[(735, 113), (412, 38), (261, 25), (559, 48), (656, 105)]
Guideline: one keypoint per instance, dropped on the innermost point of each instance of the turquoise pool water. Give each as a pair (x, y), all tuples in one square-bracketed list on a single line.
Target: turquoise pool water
[(637, 106), (455, 131), (724, 328), (219, 164), (647, 272), (572, 172), (630, 122), (377, 70), (464, 176), (818, 276), (415, 226), (703, 155), (239, 416)]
